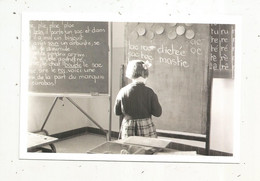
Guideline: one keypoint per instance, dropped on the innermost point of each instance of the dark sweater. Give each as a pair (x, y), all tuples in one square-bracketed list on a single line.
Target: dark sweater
[(136, 101)]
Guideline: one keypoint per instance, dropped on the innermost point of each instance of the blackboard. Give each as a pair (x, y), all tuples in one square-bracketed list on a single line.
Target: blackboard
[(179, 54), (69, 57), (222, 49)]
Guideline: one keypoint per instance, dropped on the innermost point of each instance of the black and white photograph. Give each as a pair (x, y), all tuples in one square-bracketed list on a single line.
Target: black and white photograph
[(129, 90), (161, 90)]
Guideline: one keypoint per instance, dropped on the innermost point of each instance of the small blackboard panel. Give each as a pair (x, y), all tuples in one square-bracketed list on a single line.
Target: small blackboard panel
[(222, 48), (179, 54), (69, 57)]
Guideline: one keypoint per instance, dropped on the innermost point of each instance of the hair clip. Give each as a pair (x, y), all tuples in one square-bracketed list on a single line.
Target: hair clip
[(147, 65)]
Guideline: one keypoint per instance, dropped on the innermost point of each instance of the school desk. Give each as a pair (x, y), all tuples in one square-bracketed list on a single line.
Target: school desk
[(36, 142)]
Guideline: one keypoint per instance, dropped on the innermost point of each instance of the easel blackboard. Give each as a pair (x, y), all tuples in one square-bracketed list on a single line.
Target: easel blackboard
[(69, 58), (180, 73)]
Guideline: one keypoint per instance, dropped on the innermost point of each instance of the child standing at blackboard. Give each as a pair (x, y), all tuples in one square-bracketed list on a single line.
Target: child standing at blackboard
[(137, 103)]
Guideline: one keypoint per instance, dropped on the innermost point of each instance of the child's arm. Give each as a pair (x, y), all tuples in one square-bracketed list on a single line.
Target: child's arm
[(156, 107), (117, 107)]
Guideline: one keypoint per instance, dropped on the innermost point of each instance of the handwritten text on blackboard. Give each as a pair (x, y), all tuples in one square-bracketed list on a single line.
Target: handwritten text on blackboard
[(55, 55), (166, 54)]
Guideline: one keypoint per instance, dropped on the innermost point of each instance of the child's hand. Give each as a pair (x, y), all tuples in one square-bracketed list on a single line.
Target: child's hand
[(123, 151)]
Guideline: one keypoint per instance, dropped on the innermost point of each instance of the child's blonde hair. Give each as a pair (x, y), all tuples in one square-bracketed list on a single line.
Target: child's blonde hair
[(137, 68)]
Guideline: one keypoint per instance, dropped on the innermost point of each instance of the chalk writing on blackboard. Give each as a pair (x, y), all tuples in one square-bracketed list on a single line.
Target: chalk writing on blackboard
[(70, 57), (167, 54), (222, 50)]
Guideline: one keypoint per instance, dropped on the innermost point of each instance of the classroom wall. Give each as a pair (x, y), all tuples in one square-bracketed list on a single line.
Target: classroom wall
[(63, 117), (221, 136)]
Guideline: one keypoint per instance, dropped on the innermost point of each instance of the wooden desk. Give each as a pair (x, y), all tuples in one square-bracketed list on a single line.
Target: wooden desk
[(36, 141), (139, 145), (145, 141)]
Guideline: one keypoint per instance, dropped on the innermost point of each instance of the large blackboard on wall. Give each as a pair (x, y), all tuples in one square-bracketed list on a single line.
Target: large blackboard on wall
[(69, 57), (222, 49), (179, 54)]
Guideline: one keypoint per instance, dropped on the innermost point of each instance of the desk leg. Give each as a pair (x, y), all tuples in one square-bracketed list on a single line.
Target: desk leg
[(53, 148), (46, 150)]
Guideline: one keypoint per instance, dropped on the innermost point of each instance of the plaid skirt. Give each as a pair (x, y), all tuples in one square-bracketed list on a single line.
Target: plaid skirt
[(138, 127)]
